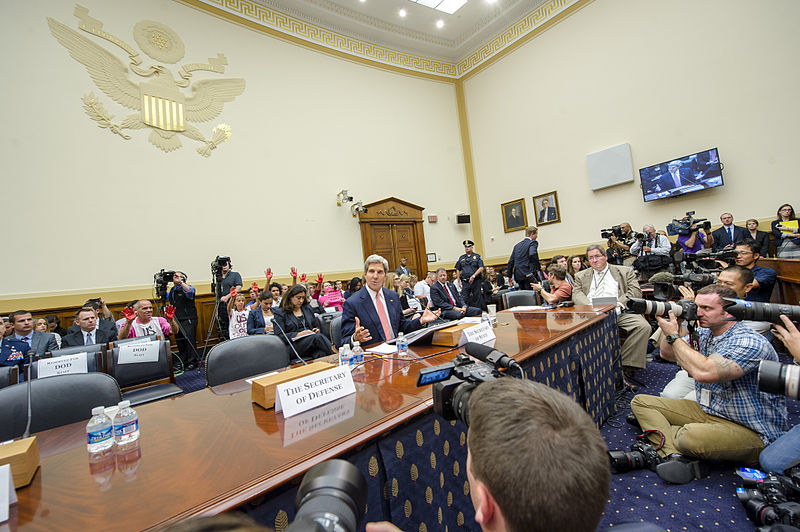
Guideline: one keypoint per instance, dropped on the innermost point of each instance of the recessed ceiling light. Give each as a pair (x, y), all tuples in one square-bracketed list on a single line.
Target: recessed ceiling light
[(487, 1), (402, 13), (440, 23), (362, 1)]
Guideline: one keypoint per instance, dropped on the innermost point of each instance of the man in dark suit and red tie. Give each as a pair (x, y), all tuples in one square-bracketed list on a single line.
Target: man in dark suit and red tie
[(547, 213), (373, 314), (445, 297)]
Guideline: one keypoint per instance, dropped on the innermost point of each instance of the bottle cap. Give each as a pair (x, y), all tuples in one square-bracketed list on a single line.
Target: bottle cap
[(124, 404), (355, 343), (96, 411), (346, 346)]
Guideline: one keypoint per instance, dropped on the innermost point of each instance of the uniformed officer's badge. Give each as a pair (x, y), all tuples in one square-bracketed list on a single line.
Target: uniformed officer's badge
[(161, 104)]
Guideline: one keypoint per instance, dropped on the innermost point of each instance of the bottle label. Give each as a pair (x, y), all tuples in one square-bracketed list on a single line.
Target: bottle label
[(126, 428), (98, 436)]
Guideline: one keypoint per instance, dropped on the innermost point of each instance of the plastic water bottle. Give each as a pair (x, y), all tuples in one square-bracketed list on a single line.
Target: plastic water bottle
[(99, 435), (402, 346), (126, 424), (358, 354), (344, 355)]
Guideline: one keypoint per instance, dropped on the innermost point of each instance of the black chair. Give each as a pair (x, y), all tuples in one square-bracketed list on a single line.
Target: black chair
[(55, 401), (144, 382), (93, 363), (516, 298), (244, 357), (336, 331), (325, 321), (8, 375), (94, 348)]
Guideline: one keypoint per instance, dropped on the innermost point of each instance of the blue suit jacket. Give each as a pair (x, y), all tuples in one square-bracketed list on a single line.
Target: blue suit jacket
[(721, 238), (439, 297), (255, 321), (360, 304)]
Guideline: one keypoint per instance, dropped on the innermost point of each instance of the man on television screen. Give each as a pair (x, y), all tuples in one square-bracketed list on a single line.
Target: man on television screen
[(677, 176)]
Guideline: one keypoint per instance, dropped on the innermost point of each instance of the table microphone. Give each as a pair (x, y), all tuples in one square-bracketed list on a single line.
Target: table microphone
[(31, 359), (275, 322), (484, 353)]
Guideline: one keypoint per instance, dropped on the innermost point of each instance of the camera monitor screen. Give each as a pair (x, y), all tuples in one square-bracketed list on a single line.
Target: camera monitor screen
[(680, 176)]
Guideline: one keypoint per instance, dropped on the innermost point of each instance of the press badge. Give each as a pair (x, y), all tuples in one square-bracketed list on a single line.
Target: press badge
[(705, 397)]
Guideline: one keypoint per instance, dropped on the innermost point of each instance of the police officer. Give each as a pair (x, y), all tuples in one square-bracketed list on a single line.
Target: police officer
[(470, 271), (182, 297)]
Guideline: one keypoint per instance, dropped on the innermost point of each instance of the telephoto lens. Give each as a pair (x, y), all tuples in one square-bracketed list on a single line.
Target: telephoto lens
[(331, 498), (779, 379), (741, 309), (642, 455)]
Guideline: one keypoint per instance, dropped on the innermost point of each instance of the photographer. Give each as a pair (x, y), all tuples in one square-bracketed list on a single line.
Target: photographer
[(181, 296), (747, 254), (695, 240), (622, 246), (732, 419), (230, 279), (652, 253), (784, 452), (561, 453)]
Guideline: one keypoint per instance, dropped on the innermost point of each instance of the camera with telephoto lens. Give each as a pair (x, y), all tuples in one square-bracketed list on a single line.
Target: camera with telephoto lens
[(779, 379), (161, 280), (613, 231), (682, 309), (665, 290), (642, 455), (453, 384), (332, 497), (741, 309), (772, 499)]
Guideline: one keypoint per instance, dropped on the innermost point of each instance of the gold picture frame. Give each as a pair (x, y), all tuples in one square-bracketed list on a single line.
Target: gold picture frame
[(549, 212), (515, 217)]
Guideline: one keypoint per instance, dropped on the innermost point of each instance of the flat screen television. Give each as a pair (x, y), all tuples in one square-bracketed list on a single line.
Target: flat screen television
[(683, 175)]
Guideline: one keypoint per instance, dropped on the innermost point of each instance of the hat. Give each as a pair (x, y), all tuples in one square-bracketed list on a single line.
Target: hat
[(468, 243)]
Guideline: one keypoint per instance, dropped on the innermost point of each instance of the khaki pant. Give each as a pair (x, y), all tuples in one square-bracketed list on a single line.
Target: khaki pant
[(634, 350), (690, 431)]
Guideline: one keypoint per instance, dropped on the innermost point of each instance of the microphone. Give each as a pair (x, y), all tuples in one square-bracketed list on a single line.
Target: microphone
[(289, 340), (32, 357), (662, 277), (484, 353)]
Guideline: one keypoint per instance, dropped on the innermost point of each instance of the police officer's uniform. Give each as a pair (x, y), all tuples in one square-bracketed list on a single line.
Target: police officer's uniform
[(468, 264)]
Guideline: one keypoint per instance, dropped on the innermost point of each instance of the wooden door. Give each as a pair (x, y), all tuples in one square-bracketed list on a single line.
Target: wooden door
[(393, 229), (394, 241)]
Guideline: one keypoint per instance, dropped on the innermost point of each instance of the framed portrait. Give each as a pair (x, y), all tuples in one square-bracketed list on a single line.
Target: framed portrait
[(514, 216), (547, 210), (431, 257)]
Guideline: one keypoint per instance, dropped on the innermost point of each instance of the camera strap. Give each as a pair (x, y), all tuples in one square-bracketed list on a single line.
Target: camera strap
[(644, 436)]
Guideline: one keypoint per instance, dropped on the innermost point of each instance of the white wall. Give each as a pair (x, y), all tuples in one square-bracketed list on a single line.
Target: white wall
[(89, 210), (671, 78)]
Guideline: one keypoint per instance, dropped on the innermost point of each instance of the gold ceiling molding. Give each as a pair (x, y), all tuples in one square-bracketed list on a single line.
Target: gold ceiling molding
[(287, 24)]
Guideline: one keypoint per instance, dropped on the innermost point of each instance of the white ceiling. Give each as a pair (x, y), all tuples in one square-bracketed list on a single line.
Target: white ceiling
[(378, 22)]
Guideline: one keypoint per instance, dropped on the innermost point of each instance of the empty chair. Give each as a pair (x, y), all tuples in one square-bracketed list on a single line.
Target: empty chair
[(143, 382), (55, 401), (94, 348), (325, 321), (244, 357), (336, 331), (8, 375), (516, 298)]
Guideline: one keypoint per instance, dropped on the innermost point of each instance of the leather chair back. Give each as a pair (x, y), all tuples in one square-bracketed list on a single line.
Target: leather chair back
[(244, 357), (8, 375), (516, 298)]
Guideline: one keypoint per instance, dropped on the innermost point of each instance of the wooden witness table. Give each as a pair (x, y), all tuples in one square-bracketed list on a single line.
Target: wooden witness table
[(213, 450)]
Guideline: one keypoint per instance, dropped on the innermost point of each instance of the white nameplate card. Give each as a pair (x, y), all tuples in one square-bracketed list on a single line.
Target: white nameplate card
[(136, 352), (313, 390), (304, 425), (8, 494), (481, 333), (49, 367)]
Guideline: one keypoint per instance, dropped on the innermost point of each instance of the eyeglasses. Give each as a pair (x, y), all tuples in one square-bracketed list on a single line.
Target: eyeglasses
[(594, 257)]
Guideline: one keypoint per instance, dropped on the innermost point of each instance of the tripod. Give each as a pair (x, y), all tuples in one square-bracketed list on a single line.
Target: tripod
[(216, 289)]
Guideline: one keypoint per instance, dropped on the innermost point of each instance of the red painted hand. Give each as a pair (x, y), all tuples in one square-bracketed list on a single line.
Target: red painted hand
[(233, 291), (303, 278), (129, 313), (268, 273), (169, 312), (294, 271), (320, 278)]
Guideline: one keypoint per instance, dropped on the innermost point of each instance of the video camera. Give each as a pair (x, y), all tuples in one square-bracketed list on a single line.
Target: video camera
[(216, 272), (705, 260), (613, 231), (664, 288), (770, 499), (332, 497), (161, 280), (687, 225)]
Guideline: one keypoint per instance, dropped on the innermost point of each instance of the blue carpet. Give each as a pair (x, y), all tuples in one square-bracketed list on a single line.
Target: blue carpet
[(191, 381), (708, 503)]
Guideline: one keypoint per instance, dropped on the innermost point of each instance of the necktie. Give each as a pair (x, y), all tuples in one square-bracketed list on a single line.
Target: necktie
[(387, 330), (449, 295), (89, 339), (730, 234)]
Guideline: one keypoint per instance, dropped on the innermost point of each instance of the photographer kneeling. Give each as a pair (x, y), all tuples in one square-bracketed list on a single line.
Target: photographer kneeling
[(732, 419), (558, 451)]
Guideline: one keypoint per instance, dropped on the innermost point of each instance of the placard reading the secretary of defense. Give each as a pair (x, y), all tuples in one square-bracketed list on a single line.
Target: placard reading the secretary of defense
[(311, 391)]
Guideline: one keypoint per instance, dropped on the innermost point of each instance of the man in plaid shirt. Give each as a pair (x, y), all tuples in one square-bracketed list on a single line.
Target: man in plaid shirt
[(732, 419)]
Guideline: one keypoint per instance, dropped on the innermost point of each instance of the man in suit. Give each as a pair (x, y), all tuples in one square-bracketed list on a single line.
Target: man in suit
[(100, 309), (547, 213), (676, 176), (402, 269), (39, 342), (445, 297), (727, 236), (524, 262), (88, 333), (609, 280), (373, 314), (513, 219)]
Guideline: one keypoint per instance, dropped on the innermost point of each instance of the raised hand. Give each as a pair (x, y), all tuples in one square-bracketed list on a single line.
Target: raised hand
[(320, 278), (255, 287), (303, 278), (129, 313), (361, 334), (169, 312), (268, 273), (233, 291), (293, 271)]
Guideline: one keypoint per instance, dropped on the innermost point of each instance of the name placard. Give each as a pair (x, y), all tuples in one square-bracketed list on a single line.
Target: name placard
[(304, 425), (481, 333), (137, 352), (8, 495), (48, 367), (308, 392)]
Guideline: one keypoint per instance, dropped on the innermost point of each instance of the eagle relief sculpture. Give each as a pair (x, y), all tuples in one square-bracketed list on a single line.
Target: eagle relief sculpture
[(159, 101)]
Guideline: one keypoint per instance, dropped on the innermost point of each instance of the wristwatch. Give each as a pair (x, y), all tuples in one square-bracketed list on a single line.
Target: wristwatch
[(672, 337)]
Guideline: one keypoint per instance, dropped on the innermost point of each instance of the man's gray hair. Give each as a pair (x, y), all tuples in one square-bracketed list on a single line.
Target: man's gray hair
[(598, 247), (375, 259), (648, 226)]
